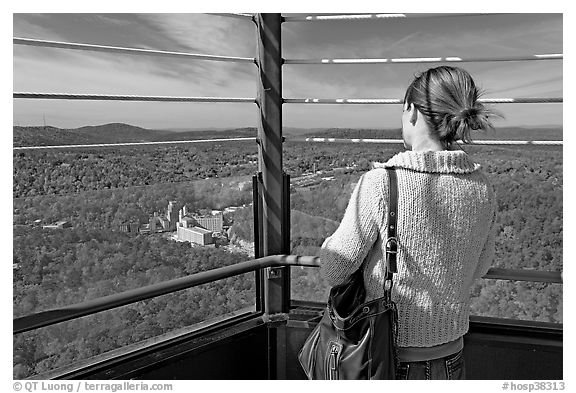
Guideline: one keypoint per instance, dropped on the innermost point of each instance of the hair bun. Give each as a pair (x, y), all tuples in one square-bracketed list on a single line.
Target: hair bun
[(470, 118), (468, 113)]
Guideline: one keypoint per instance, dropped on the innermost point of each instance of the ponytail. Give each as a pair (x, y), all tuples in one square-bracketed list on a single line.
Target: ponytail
[(458, 126), (448, 99)]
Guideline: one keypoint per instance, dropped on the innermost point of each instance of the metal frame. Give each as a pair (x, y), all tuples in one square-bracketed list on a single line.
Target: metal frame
[(271, 199), (51, 317), (271, 187)]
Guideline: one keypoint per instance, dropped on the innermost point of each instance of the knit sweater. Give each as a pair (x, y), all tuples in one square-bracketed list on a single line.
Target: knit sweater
[(445, 231)]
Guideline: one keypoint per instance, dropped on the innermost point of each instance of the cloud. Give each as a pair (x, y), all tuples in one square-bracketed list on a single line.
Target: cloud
[(206, 34), (45, 69)]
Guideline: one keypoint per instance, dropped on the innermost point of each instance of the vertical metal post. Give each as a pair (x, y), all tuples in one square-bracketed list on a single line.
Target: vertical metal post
[(272, 200), (270, 155), (270, 128), (257, 228)]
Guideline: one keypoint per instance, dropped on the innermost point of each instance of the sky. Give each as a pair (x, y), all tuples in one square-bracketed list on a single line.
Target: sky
[(71, 71)]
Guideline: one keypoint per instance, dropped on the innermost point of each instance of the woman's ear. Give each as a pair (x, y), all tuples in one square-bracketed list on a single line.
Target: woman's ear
[(413, 114)]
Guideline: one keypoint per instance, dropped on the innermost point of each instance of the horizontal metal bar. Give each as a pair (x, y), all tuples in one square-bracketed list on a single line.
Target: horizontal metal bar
[(356, 101), (361, 101), (542, 143), (51, 317), (449, 59), (132, 144), (108, 97), (380, 101), (497, 273), (399, 141), (238, 15), (320, 18), (128, 51), (344, 140), (67, 313), (310, 139)]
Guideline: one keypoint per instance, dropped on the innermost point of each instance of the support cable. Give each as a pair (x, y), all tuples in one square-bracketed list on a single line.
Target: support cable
[(234, 15), (298, 139), (130, 51), (108, 97), (316, 18), (418, 60), (525, 100), (400, 142), (132, 144)]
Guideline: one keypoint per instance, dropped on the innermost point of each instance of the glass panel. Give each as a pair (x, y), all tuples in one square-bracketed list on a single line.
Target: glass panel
[(530, 301), (110, 333), (74, 246), (529, 227), (93, 222)]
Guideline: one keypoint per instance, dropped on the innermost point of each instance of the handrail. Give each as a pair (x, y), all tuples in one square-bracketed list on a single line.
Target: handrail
[(50, 317), (129, 51), (497, 273)]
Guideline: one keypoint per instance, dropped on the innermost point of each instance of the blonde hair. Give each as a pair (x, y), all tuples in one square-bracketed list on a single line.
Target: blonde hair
[(447, 97)]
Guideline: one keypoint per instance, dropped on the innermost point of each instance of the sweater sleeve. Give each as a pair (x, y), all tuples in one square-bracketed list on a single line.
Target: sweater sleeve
[(344, 251), (488, 251)]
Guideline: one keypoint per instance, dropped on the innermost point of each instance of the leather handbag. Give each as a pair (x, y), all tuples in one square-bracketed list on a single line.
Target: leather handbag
[(357, 339)]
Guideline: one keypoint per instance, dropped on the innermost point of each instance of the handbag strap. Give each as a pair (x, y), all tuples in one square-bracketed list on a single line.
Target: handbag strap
[(391, 240)]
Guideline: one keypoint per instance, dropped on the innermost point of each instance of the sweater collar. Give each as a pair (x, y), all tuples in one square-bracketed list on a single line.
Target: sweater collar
[(445, 161)]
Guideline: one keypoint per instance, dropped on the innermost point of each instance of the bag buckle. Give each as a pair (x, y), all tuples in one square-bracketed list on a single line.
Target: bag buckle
[(391, 251), (392, 245)]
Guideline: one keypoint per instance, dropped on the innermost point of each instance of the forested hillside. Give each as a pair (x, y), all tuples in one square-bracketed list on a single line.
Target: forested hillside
[(98, 189), (67, 267)]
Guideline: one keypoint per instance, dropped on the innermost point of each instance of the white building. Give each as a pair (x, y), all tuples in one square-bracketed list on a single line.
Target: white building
[(194, 235)]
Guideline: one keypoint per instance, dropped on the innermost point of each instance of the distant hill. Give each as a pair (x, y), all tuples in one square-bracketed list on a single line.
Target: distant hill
[(521, 134), (114, 133), (106, 133), (44, 136), (120, 132), (246, 132)]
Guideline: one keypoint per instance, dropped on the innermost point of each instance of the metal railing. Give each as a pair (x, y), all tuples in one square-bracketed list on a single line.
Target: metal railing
[(363, 17), (128, 51), (51, 317), (46, 318), (270, 101)]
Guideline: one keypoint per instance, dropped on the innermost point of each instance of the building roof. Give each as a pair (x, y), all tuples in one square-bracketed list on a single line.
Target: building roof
[(199, 230)]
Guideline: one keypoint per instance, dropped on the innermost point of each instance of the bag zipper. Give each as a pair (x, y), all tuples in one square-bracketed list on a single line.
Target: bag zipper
[(333, 361)]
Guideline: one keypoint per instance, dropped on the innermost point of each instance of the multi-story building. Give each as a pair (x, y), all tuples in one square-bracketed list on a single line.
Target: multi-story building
[(212, 223), (194, 235), (172, 215), (187, 222)]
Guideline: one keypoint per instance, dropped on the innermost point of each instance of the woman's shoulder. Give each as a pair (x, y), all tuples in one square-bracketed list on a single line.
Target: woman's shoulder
[(376, 176)]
